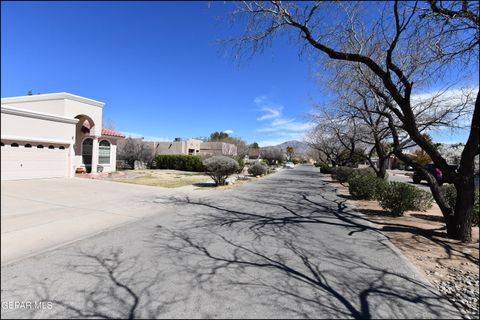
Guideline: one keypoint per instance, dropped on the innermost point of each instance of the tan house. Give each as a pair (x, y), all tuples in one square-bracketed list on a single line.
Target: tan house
[(218, 149), (53, 135), (190, 146)]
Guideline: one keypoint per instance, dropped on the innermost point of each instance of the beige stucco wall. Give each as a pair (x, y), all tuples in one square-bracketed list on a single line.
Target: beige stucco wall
[(218, 149), (47, 106), (176, 147), (74, 108), (25, 128), (61, 104)]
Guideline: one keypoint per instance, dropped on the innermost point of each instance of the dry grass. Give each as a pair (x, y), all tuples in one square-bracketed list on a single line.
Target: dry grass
[(164, 178)]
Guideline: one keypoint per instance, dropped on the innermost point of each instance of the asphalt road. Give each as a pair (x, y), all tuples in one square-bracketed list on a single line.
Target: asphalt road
[(285, 246), (392, 176)]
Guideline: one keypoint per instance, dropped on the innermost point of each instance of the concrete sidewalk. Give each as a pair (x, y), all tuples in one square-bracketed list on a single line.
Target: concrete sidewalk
[(42, 214)]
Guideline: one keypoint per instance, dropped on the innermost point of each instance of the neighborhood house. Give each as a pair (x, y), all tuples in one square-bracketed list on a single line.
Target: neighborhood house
[(54, 135)]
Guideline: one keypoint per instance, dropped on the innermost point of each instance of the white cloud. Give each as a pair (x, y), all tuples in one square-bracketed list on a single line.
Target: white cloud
[(228, 131), (270, 113), (278, 128)]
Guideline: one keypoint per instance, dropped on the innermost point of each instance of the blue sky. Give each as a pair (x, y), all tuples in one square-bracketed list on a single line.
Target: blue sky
[(158, 68)]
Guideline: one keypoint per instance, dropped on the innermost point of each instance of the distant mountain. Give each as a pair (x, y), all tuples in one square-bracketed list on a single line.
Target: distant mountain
[(298, 146)]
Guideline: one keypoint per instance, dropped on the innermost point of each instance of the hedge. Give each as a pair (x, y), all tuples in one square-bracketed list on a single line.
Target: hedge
[(343, 174), (179, 162), (366, 187)]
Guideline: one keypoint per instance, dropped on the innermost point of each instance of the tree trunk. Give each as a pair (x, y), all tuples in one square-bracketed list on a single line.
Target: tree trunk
[(382, 167), (461, 228)]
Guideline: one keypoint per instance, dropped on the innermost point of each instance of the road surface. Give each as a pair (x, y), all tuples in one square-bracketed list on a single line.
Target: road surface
[(285, 246)]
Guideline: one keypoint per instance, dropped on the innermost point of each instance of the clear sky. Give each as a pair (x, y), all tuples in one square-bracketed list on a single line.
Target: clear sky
[(158, 68)]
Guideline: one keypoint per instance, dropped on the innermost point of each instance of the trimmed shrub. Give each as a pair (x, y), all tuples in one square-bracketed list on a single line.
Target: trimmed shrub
[(364, 172), (343, 173), (451, 195), (325, 168), (219, 168), (179, 162), (400, 197), (366, 187), (257, 169)]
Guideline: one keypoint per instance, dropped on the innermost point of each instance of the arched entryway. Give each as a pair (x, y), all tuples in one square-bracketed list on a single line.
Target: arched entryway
[(87, 149)]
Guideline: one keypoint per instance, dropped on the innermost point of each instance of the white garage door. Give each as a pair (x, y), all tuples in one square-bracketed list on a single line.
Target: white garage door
[(33, 161)]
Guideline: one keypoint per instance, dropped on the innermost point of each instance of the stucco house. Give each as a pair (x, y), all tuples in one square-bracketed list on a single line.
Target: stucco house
[(188, 147), (218, 149), (53, 135)]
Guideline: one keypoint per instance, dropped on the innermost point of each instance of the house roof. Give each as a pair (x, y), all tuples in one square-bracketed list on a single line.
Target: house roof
[(109, 132), (52, 96)]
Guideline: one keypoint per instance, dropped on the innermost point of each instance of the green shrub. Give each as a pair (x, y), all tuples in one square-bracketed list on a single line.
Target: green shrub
[(325, 168), (366, 187), (400, 197), (451, 195), (343, 173), (179, 162), (219, 168), (364, 172), (241, 165), (257, 169)]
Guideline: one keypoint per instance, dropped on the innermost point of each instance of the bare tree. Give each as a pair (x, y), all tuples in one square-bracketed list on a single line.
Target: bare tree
[(272, 155), (337, 135), (130, 150), (400, 58)]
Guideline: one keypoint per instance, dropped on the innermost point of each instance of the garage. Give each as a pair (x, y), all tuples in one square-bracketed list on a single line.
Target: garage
[(30, 160)]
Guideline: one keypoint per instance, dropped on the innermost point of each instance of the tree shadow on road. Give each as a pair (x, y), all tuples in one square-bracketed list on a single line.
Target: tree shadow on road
[(100, 284), (275, 239), (305, 281)]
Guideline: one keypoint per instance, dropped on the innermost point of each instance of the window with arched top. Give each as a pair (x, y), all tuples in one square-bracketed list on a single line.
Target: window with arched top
[(61, 147), (15, 145), (104, 152), (3, 144), (28, 145), (40, 146), (51, 147)]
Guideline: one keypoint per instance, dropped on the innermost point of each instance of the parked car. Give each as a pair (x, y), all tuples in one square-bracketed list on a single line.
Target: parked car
[(418, 176), (289, 165)]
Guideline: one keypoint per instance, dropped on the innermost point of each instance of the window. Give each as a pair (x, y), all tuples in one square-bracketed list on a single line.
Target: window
[(61, 147), (3, 144), (104, 152), (15, 145), (28, 145), (40, 146), (51, 147)]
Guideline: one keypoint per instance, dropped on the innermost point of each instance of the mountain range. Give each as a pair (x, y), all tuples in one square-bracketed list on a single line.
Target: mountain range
[(299, 147)]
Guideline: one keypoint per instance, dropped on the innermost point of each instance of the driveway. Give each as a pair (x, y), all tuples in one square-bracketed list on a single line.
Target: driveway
[(285, 246), (41, 214)]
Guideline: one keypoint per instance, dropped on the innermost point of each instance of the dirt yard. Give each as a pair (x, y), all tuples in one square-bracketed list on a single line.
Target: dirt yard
[(450, 265)]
